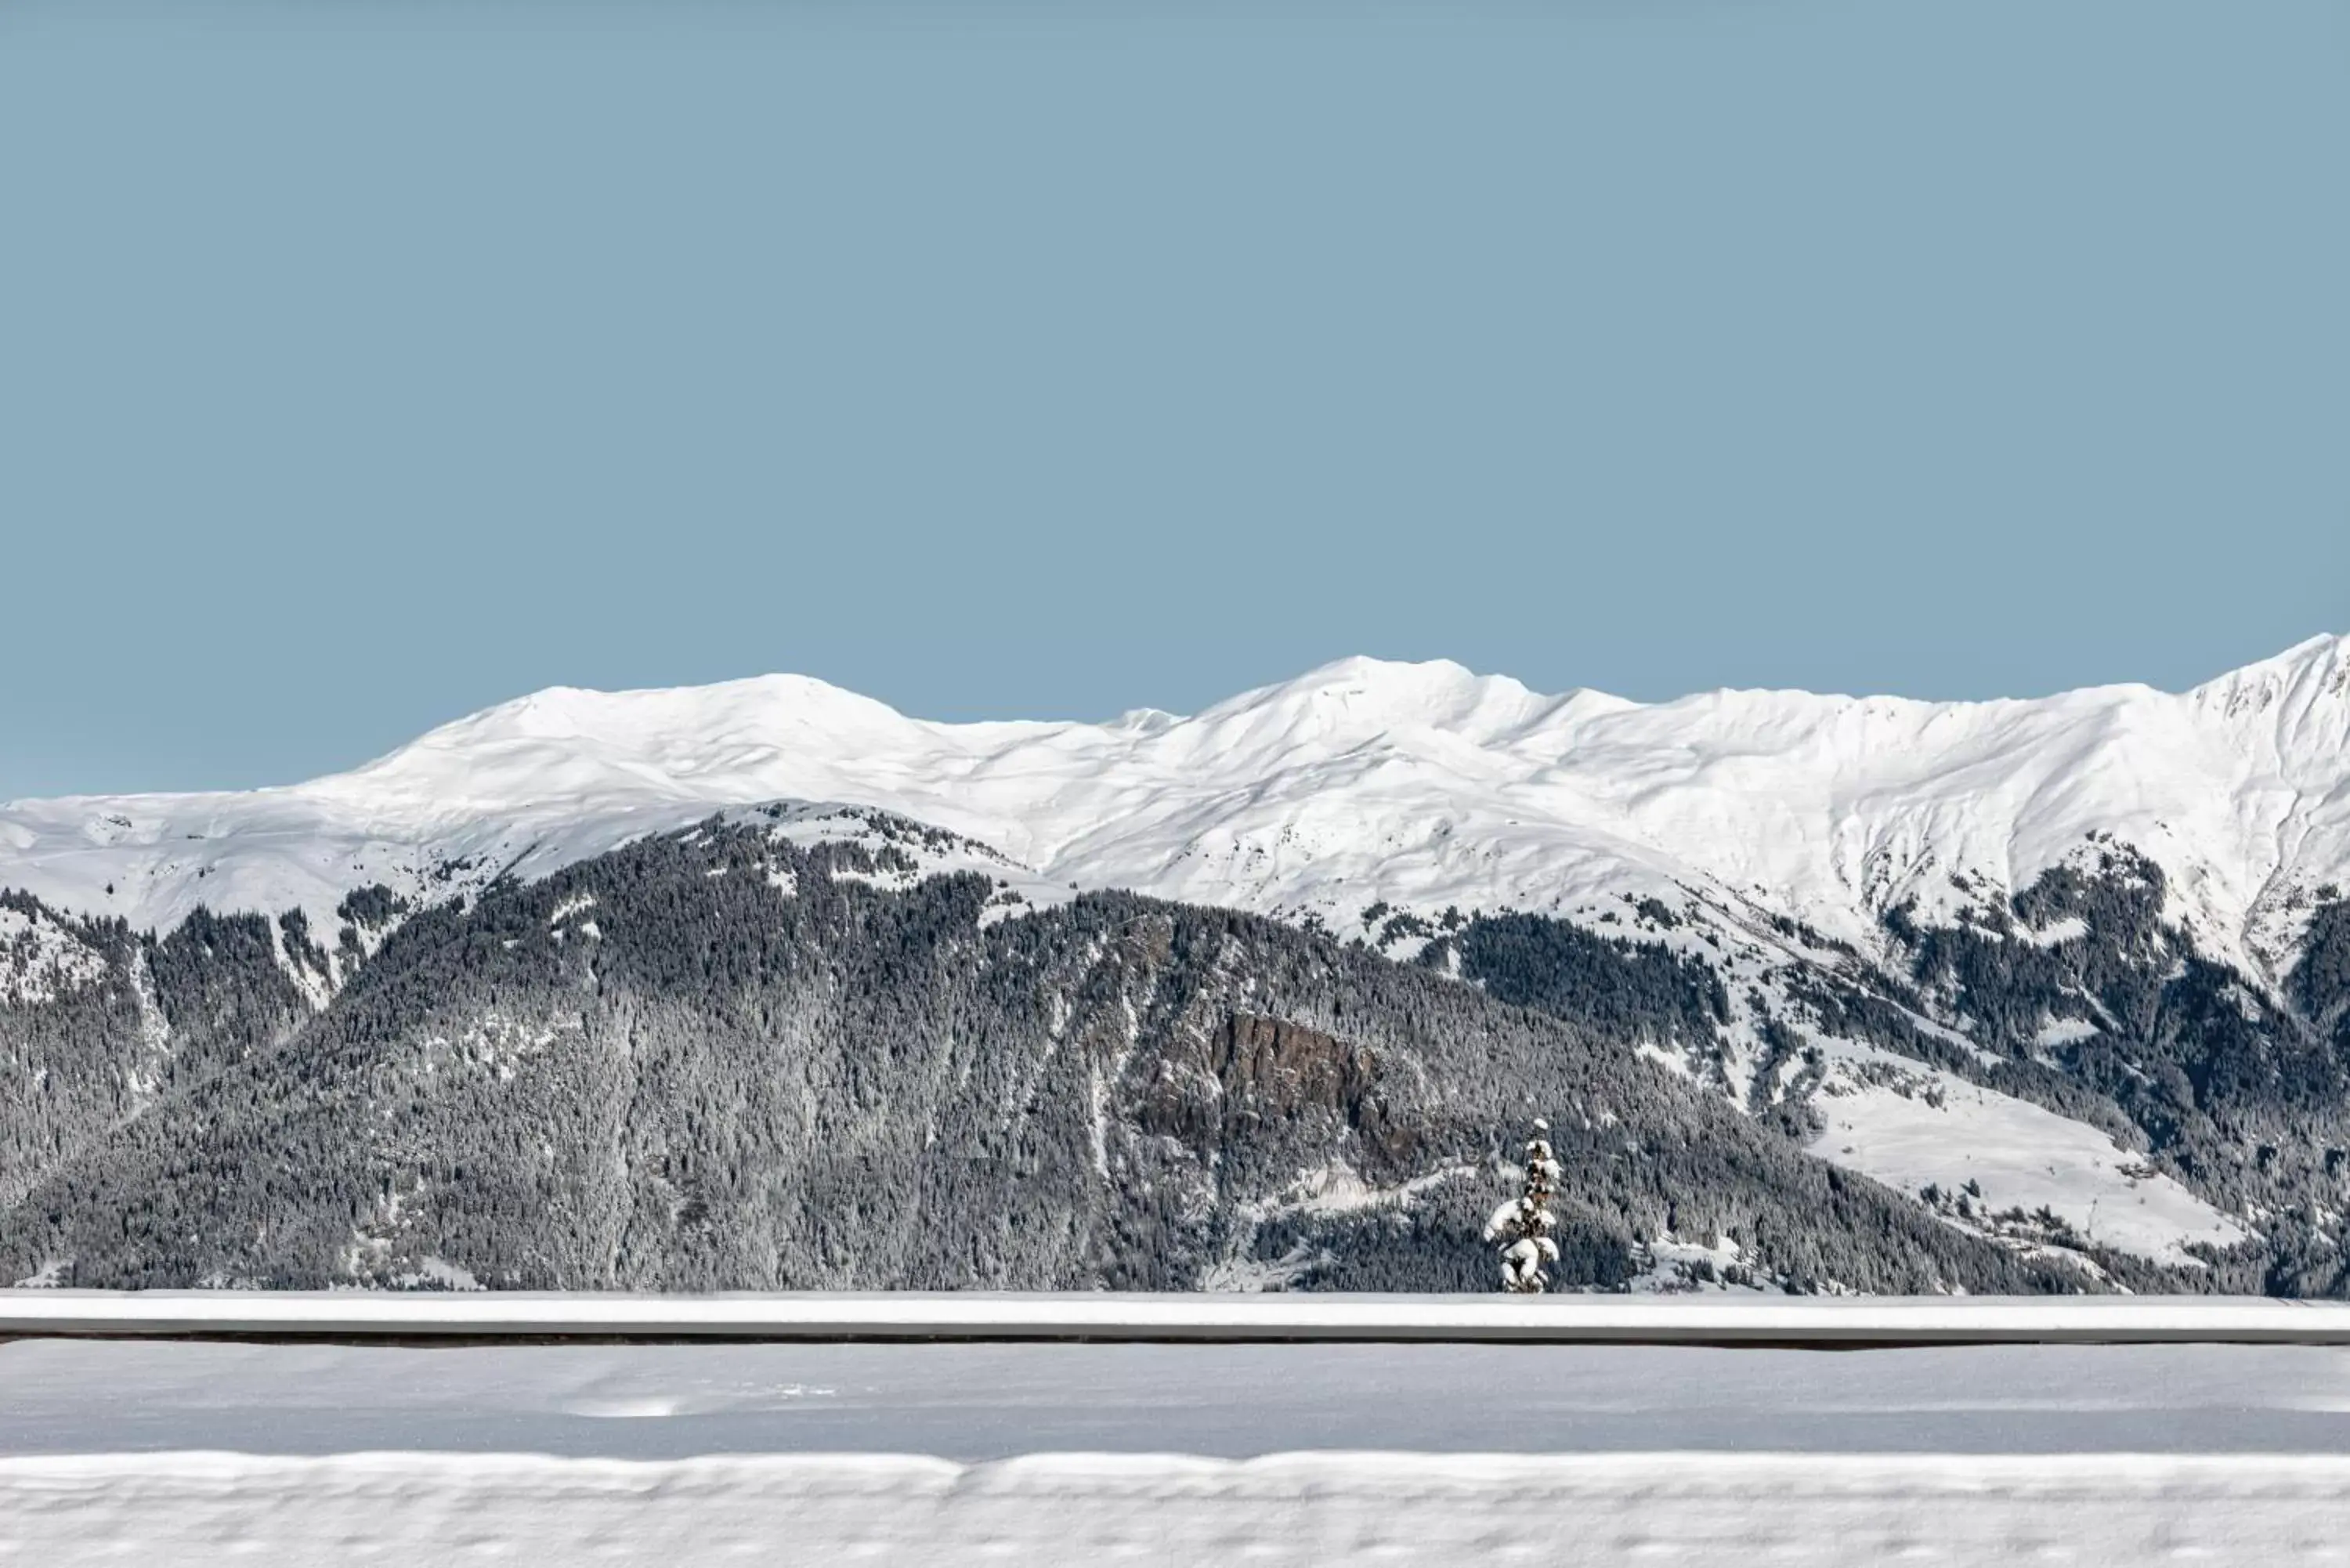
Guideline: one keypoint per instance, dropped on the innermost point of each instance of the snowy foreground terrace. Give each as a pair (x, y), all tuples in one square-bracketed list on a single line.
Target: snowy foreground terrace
[(1099, 1429)]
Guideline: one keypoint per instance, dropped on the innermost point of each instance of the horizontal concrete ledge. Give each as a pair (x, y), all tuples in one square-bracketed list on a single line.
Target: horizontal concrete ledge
[(1827, 1322)]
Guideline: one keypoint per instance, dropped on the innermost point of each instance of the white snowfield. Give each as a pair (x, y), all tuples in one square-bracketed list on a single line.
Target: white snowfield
[(1319, 1509), (1422, 785), (1937, 1130), (328, 1454), (1707, 1318)]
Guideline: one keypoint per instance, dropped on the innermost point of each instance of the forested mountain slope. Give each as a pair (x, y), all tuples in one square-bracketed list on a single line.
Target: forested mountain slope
[(721, 1059)]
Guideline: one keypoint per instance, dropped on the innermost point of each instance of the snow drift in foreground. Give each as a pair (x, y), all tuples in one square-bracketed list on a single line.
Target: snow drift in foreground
[(172, 1453), (1089, 1508), (1422, 785)]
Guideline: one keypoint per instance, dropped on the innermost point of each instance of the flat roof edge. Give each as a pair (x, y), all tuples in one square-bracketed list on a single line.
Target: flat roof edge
[(1714, 1319)]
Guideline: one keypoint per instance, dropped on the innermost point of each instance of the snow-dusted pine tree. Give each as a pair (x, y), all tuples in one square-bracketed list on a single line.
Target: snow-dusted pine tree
[(1523, 1226)]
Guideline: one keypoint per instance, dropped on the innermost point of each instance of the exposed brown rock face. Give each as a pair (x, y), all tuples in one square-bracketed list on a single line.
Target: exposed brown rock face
[(1256, 1077), (1273, 1068)]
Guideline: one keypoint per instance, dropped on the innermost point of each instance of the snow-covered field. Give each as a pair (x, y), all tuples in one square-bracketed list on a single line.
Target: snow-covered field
[(180, 1452), (980, 1403), (1075, 1508), (1913, 1126)]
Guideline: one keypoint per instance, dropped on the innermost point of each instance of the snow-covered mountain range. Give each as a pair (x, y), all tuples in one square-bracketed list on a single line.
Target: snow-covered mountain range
[(1420, 786), (1993, 954)]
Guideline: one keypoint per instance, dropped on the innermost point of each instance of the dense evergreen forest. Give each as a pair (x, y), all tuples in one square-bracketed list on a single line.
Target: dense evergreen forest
[(716, 1060), (721, 1059)]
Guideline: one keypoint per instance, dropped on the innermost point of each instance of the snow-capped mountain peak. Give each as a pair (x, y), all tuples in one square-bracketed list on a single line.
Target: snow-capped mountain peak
[(1419, 785)]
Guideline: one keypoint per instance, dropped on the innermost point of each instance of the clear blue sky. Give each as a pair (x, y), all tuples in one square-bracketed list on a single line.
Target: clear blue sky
[(363, 364)]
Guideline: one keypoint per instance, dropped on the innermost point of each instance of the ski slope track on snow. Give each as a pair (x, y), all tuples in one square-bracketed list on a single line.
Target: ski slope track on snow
[(1420, 785)]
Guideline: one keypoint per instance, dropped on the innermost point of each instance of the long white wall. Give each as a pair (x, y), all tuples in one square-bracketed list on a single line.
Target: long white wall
[(1560, 1319)]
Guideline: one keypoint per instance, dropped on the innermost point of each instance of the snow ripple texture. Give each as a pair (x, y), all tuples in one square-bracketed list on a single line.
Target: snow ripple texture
[(1315, 1508)]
